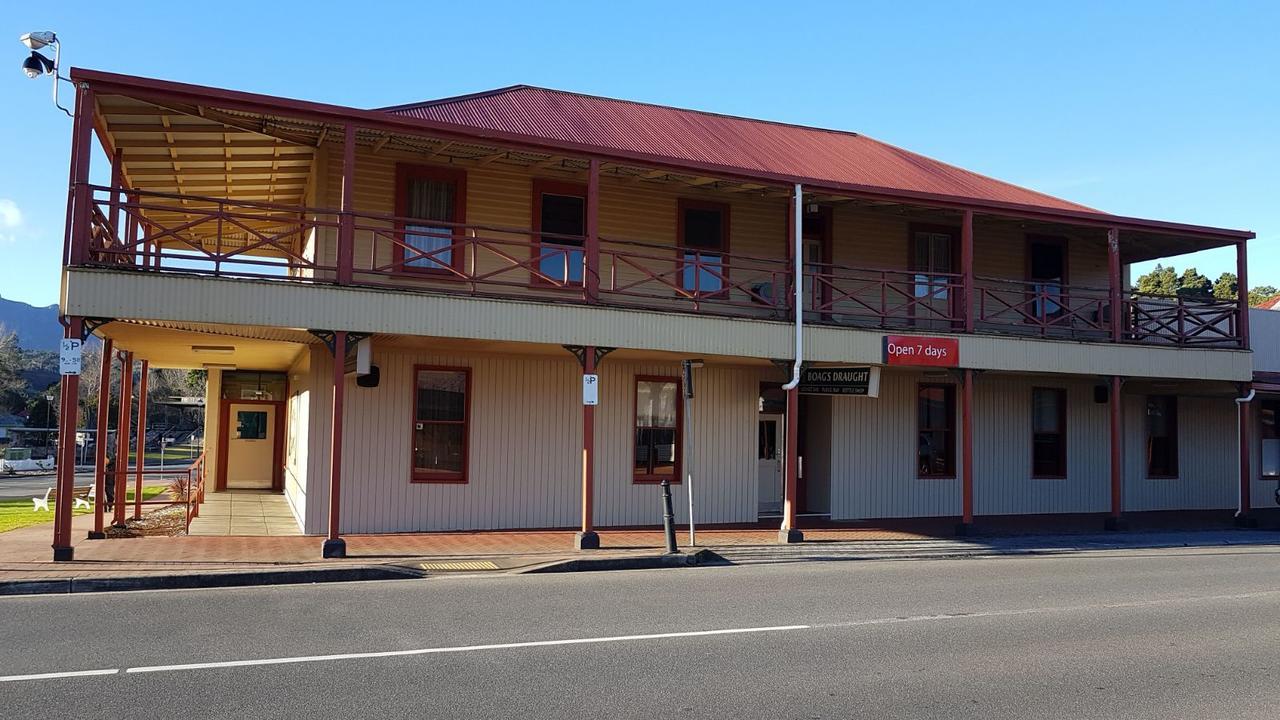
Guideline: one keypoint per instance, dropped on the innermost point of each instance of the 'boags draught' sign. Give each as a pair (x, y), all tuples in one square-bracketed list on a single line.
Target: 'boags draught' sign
[(917, 350), (864, 381)]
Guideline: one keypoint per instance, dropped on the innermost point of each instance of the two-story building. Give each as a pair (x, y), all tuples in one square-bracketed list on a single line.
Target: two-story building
[(476, 262)]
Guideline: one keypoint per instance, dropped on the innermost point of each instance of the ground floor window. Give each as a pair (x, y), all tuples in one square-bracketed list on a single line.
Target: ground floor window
[(1162, 436), (936, 422), (441, 415), (657, 430), (1270, 421), (1048, 433)]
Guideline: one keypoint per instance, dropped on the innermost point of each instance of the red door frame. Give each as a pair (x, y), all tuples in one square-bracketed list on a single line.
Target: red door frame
[(224, 434), (684, 204), (826, 250)]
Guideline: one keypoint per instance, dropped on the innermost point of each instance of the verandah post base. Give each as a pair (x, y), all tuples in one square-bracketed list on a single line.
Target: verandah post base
[(588, 540), (334, 548), (790, 536), (1116, 523)]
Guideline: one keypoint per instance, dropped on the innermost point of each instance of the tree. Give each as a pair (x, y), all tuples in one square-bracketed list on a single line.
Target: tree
[(1160, 281), (1193, 284), (1261, 293), (13, 388), (1226, 287)]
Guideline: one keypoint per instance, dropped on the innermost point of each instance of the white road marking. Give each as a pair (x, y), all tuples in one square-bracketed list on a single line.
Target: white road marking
[(53, 675), (458, 649), (653, 636)]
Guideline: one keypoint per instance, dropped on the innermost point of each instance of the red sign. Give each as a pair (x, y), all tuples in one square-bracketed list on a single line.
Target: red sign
[(915, 350)]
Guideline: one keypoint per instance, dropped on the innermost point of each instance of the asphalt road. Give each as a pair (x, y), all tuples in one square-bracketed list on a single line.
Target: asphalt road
[(1119, 634)]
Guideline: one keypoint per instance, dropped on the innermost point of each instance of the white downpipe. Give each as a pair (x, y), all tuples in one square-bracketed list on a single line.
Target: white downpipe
[(798, 235), (1240, 403)]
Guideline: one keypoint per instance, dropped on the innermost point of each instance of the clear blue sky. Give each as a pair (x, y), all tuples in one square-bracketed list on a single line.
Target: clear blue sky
[(1165, 110)]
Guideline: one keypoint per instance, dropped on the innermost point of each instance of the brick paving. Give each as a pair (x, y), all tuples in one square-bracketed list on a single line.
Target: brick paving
[(26, 554)]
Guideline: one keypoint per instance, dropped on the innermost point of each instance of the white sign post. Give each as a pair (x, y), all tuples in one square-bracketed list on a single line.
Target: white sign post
[(590, 389), (69, 356)]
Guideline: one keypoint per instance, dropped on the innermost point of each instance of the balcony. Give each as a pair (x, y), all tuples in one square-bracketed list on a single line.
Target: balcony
[(156, 232)]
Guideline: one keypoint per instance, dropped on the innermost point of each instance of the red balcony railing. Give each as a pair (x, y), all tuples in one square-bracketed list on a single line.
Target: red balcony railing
[(162, 232), (1045, 309)]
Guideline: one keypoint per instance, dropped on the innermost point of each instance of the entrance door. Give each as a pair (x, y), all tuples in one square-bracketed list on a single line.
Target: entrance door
[(251, 445), (1046, 276), (769, 462)]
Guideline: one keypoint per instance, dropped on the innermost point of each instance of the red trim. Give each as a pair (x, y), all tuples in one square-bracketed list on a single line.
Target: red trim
[(443, 478), (543, 186), (224, 435), (1062, 432), (335, 435), (950, 399), (588, 446), (966, 455), (140, 447), (68, 416), (966, 269), (346, 222), (1113, 279), (100, 437), (146, 87), (1242, 292), (123, 427), (685, 204), (677, 475), (592, 276), (406, 172), (1117, 449)]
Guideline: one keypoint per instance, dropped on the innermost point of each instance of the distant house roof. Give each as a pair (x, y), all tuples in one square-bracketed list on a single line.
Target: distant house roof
[(824, 156), (1270, 304)]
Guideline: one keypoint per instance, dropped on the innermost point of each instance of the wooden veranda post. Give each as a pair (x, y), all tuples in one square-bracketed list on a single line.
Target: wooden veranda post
[(100, 479), (334, 545), (121, 476), (68, 414), (140, 451)]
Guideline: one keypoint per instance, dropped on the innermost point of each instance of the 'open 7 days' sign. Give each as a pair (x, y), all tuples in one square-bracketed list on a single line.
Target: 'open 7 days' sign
[(919, 350)]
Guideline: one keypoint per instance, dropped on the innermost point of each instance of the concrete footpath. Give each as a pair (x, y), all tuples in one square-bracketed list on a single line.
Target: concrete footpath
[(185, 562)]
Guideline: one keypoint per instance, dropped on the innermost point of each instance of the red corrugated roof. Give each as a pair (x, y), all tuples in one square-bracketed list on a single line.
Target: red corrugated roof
[(1271, 304), (698, 137)]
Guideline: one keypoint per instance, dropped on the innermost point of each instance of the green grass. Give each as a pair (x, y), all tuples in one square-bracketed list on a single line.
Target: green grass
[(19, 513), (170, 453)]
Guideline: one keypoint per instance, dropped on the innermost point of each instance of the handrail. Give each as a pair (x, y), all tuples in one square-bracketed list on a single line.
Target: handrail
[(173, 232)]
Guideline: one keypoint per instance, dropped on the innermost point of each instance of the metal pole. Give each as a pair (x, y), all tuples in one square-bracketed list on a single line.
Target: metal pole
[(668, 517)]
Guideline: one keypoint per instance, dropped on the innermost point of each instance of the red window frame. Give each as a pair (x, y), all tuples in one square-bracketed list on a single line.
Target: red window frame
[(950, 429), (1061, 395), (683, 205), (648, 478), (406, 172), (1171, 405), (542, 186), (440, 478)]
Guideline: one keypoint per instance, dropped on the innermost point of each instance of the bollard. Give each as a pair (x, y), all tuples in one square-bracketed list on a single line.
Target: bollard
[(668, 517)]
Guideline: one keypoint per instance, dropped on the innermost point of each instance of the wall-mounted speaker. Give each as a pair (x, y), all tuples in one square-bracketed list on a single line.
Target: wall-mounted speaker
[(1101, 394), (369, 379)]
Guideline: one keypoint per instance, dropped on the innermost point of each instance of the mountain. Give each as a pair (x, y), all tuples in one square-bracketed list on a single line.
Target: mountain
[(37, 327)]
